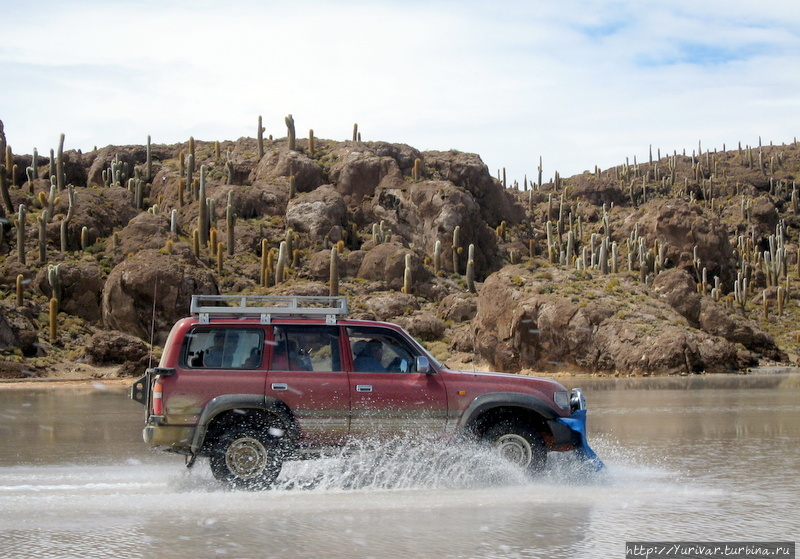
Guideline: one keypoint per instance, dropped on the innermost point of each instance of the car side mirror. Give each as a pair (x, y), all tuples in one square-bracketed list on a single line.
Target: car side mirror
[(423, 365)]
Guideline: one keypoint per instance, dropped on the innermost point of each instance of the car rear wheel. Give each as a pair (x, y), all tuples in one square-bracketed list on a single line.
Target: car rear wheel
[(519, 444), (246, 458)]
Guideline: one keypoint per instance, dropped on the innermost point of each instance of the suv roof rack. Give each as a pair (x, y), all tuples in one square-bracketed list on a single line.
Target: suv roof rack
[(267, 307)]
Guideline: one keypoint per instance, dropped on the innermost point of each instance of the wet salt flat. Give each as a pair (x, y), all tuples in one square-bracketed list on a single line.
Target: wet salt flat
[(687, 459)]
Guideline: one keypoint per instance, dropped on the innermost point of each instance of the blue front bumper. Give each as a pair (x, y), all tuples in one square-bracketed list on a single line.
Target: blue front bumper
[(577, 423)]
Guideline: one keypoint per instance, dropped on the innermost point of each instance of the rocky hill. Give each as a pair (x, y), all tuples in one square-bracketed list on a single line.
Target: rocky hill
[(684, 263)]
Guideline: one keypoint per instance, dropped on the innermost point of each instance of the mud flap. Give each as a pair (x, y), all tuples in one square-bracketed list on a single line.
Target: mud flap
[(577, 422)]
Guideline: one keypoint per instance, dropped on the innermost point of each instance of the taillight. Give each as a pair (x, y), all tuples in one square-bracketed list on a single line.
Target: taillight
[(158, 402)]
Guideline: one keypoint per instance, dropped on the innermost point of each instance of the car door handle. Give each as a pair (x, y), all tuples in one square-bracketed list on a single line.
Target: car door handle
[(363, 388), (280, 386)]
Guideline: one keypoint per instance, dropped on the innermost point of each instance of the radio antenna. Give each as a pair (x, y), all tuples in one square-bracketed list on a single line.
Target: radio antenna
[(153, 325)]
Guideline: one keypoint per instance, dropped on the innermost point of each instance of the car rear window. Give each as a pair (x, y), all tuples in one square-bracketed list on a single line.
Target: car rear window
[(224, 348)]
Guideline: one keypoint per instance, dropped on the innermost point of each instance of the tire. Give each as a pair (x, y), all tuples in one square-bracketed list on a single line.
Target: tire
[(519, 444), (246, 458)]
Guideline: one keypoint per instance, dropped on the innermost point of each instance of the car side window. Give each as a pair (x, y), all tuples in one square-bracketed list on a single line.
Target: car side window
[(224, 348), (305, 348), (380, 350)]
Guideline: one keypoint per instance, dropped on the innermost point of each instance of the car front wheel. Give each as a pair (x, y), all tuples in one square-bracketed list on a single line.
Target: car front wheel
[(246, 458), (519, 444)]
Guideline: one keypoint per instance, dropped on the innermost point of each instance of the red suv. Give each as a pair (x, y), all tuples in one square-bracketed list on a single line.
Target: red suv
[(252, 381)]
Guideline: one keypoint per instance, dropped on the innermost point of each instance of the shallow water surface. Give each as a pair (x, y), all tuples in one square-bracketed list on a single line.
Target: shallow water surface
[(711, 458)]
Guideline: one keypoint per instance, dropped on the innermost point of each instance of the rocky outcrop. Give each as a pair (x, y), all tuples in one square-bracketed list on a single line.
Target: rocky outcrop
[(360, 171), (548, 312), (279, 163), (81, 288), (677, 288), (529, 320), (151, 290), (145, 231), (317, 214), (116, 348), (468, 171), (17, 330), (386, 263), (686, 230)]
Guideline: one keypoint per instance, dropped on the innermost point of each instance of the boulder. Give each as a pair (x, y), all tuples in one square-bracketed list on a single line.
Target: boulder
[(112, 347), (458, 307), (423, 325), (562, 319), (145, 231), (359, 172), (686, 229), (678, 289), (468, 171), (82, 285), (386, 262), (17, 330), (151, 290), (278, 163), (128, 157), (428, 211), (101, 212), (317, 213), (764, 216), (390, 306), (717, 320)]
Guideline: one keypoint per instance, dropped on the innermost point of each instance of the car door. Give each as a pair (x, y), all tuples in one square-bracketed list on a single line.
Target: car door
[(306, 374), (215, 360), (388, 397)]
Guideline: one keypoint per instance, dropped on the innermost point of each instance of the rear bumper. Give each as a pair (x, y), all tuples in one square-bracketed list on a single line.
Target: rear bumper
[(175, 438)]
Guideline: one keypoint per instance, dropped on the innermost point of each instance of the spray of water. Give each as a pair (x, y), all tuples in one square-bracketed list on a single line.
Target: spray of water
[(402, 464)]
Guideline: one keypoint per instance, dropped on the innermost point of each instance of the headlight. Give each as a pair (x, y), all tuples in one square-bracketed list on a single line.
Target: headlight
[(561, 398), (576, 400)]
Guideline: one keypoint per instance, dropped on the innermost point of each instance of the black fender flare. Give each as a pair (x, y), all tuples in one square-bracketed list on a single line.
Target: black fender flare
[(486, 402), (230, 402)]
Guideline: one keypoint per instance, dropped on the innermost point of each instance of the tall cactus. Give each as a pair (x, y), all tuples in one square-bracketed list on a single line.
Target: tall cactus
[(230, 219), (471, 269), (229, 170), (437, 256), (280, 269), (20, 288), (21, 234), (334, 273), (740, 288), (149, 162), (173, 222), (407, 279), (42, 219), (71, 196), (60, 177), (4, 191), (290, 131), (456, 243), (204, 223), (264, 261), (260, 131), (54, 279), (53, 320)]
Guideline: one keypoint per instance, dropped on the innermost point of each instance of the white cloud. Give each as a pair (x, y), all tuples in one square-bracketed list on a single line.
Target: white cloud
[(579, 82)]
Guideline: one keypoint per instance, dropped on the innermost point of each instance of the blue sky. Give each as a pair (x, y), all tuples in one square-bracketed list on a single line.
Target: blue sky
[(578, 82)]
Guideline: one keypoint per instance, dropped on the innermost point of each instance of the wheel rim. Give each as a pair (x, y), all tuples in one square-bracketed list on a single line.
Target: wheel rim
[(246, 457), (514, 448)]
